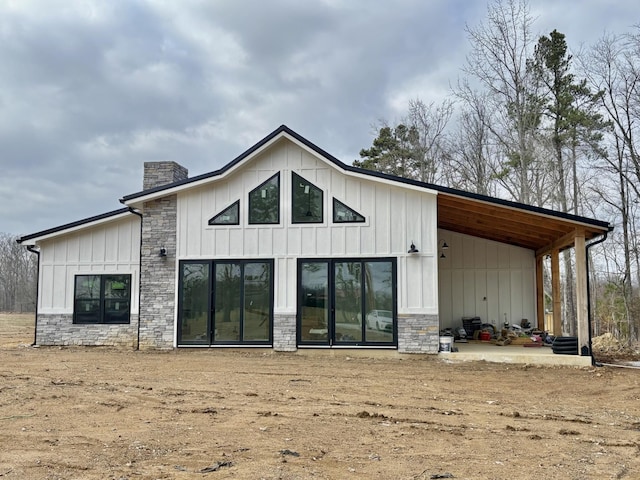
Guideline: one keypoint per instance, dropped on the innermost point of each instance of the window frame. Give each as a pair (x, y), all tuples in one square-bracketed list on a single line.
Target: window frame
[(297, 179), (331, 341), (102, 314), (211, 294), (250, 220), (212, 220), (344, 205)]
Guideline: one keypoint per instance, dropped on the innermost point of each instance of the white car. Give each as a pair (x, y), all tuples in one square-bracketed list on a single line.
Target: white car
[(380, 320)]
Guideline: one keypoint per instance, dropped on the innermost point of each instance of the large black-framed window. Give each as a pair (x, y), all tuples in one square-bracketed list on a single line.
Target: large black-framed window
[(347, 302), (225, 302), (102, 299), (264, 202), (306, 201)]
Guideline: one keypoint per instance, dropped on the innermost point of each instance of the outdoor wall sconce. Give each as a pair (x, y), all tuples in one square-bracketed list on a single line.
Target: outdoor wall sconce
[(163, 252), (443, 248), (412, 248)]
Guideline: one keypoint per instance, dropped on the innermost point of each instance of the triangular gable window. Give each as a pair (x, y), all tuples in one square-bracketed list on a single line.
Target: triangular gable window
[(344, 214), (264, 202), (228, 216), (306, 201)]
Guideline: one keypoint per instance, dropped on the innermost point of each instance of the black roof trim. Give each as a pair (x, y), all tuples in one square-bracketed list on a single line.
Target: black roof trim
[(372, 173), (235, 161), (73, 224)]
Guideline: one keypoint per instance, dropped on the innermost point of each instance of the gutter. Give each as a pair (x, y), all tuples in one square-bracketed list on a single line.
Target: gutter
[(35, 329), (135, 212), (590, 330)]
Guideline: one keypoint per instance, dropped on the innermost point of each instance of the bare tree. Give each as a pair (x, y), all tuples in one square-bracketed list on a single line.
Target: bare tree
[(430, 122), (500, 48), (18, 276), (613, 66)]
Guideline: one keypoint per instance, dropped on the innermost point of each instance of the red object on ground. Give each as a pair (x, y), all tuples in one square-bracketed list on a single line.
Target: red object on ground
[(485, 336)]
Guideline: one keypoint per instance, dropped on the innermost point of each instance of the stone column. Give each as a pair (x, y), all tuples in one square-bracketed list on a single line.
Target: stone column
[(158, 273)]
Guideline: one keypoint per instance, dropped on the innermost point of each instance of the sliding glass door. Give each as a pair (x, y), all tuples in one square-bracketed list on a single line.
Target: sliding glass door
[(225, 302), (347, 302)]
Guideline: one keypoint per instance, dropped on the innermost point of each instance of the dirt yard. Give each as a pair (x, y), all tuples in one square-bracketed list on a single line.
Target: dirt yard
[(97, 413)]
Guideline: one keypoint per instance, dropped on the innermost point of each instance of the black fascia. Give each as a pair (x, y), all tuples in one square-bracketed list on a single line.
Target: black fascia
[(235, 161), (73, 224), (373, 173)]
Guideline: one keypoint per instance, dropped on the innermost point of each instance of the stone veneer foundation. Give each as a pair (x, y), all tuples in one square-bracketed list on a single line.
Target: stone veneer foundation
[(418, 334), (53, 329), (284, 333)]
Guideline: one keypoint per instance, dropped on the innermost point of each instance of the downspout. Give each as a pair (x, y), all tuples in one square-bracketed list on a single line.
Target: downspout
[(35, 327), (135, 212), (590, 329)]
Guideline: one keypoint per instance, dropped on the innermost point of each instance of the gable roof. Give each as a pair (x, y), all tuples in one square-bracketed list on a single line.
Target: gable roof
[(478, 215), (70, 227)]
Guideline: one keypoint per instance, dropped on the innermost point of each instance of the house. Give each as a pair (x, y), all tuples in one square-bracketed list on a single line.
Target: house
[(286, 247)]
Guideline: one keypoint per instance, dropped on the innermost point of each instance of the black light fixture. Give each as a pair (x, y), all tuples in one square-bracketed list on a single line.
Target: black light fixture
[(163, 252), (443, 248), (412, 248)]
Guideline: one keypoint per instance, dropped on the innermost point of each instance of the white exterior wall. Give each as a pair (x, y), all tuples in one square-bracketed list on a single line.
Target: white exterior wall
[(112, 247), (486, 279), (395, 216)]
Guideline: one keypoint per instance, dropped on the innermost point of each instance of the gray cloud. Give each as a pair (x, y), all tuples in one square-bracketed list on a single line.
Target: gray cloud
[(90, 90)]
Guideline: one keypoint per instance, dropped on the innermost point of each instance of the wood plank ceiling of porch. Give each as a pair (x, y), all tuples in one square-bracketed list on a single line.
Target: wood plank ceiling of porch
[(536, 229)]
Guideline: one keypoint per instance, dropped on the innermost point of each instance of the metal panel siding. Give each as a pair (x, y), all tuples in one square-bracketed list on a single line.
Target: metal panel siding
[(469, 293), (504, 275), (480, 293), (398, 214), (457, 287), (480, 253), (111, 247), (125, 243), (468, 252), (493, 296), (445, 304), (429, 285), (529, 301), (382, 220), (516, 309), (98, 246), (504, 286), (60, 251), (46, 287)]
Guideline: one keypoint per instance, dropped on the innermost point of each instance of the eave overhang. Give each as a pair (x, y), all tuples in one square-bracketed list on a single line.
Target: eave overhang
[(101, 219)]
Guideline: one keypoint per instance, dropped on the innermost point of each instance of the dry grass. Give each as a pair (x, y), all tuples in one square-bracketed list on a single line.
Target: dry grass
[(16, 329)]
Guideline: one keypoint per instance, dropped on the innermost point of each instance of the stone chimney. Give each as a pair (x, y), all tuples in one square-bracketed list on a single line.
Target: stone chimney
[(162, 173)]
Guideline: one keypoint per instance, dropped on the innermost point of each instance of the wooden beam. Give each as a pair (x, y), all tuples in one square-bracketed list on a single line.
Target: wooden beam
[(555, 289), (561, 243), (539, 292), (582, 309)]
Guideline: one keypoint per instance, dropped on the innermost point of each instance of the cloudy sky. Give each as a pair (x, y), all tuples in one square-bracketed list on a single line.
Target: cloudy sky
[(91, 89)]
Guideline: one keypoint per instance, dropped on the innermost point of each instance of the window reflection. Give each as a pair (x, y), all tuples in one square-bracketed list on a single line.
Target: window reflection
[(194, 303)]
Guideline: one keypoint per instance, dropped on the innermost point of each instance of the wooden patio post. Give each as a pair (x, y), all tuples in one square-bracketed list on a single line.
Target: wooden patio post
[(555, 292), (540, 292), (582, 310)]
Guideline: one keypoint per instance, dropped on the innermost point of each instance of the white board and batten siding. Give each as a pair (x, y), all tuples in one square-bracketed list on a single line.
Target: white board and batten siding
[(486, 279), (111, 247), (395, 217)]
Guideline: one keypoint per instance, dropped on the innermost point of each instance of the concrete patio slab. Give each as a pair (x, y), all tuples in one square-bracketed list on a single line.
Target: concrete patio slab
[(489, 352)]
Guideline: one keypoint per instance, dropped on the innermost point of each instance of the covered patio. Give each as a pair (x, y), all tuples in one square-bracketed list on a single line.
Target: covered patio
[(546, 233)]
